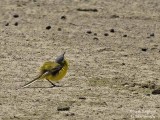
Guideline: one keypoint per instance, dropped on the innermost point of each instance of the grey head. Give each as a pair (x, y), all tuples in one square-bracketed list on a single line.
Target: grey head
[(60, 58)]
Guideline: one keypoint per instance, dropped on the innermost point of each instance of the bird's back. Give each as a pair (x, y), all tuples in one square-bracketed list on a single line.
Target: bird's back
[(48, 66)]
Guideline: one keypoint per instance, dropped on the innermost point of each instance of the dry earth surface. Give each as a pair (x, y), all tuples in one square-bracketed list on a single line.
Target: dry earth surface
[(113, 47)]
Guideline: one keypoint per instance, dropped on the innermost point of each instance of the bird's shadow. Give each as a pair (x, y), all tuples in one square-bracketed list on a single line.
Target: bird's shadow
[(46, 87)]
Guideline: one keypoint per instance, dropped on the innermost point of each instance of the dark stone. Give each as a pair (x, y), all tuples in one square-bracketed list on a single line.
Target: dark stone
[(148, 94), (59, 29), (65, 108), (87, 10), (89, 32), (155, 92), (95, 38), (48, 27), (63, 17), (16, 23), (144, 49), (7, 24), (112, 30), (106, 34), (82, 98), (124, 35), (95, 34), (16, 16), (114, 16), (152, 34), (123, 64), (70, 114)]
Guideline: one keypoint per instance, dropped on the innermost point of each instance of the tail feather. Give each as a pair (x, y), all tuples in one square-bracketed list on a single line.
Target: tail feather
[(40, 76), (31, 81)]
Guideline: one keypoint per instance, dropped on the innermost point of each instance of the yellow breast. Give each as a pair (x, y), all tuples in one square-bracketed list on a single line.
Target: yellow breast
[(61, 73)]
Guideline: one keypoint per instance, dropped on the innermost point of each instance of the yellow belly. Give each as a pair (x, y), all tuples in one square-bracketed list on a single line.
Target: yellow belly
[(57, 77)]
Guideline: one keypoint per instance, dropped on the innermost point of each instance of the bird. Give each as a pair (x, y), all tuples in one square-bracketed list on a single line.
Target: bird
[(52, 71)]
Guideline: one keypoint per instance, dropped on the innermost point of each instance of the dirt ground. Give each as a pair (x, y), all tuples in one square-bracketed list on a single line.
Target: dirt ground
[(113, 49)]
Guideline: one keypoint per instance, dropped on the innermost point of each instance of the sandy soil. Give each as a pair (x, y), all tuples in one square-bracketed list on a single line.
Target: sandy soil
[(112, 47)]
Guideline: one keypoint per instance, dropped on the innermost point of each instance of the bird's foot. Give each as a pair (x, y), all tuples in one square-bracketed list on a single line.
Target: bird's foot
[(53, 85)]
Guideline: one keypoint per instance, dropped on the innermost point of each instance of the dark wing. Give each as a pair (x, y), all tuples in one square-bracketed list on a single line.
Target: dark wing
[(55, 70)]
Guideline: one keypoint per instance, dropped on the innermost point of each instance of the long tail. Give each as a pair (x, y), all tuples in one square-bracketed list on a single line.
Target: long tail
[(40, 76), (31, 81)]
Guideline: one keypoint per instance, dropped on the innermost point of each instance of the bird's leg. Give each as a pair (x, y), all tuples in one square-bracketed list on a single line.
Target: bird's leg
[(53, 85)]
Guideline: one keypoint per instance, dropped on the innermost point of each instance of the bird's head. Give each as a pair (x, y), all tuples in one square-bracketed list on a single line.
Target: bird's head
[(60, 59)]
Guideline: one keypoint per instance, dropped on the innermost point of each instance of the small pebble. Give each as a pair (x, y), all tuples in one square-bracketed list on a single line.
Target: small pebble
[(145, 86), (59, 29), (95, 38), (95, 34), (82, 98), (155, 92), (112, 30), (124, 35), (70, 114), (66, 108), (120, 106), (16, 16), (148, 94), (157, 106), (89, 32), (123, 63), (48, 27), (7, 24), (144, 49), (106, 34), (125, 55), (152, 34), (63, 17), (114, 16), (16, 23)]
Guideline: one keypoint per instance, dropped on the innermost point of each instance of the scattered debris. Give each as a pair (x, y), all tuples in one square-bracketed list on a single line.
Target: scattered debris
[(106, 34), (95, 34), (7, 24), (16, 23), (16, 16), (70, 114), (82, 98), (87, 10), (48, 27), (124, 35), (89, 32), (152, 34), (123, 64), (95, 38), (59, 29), (63, 108), (114, 16), (156, 91), (63, 17), (144, 49), (112, 30)]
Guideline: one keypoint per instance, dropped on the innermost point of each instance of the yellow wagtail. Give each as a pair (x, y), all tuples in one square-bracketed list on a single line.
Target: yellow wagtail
[(52, 71)]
